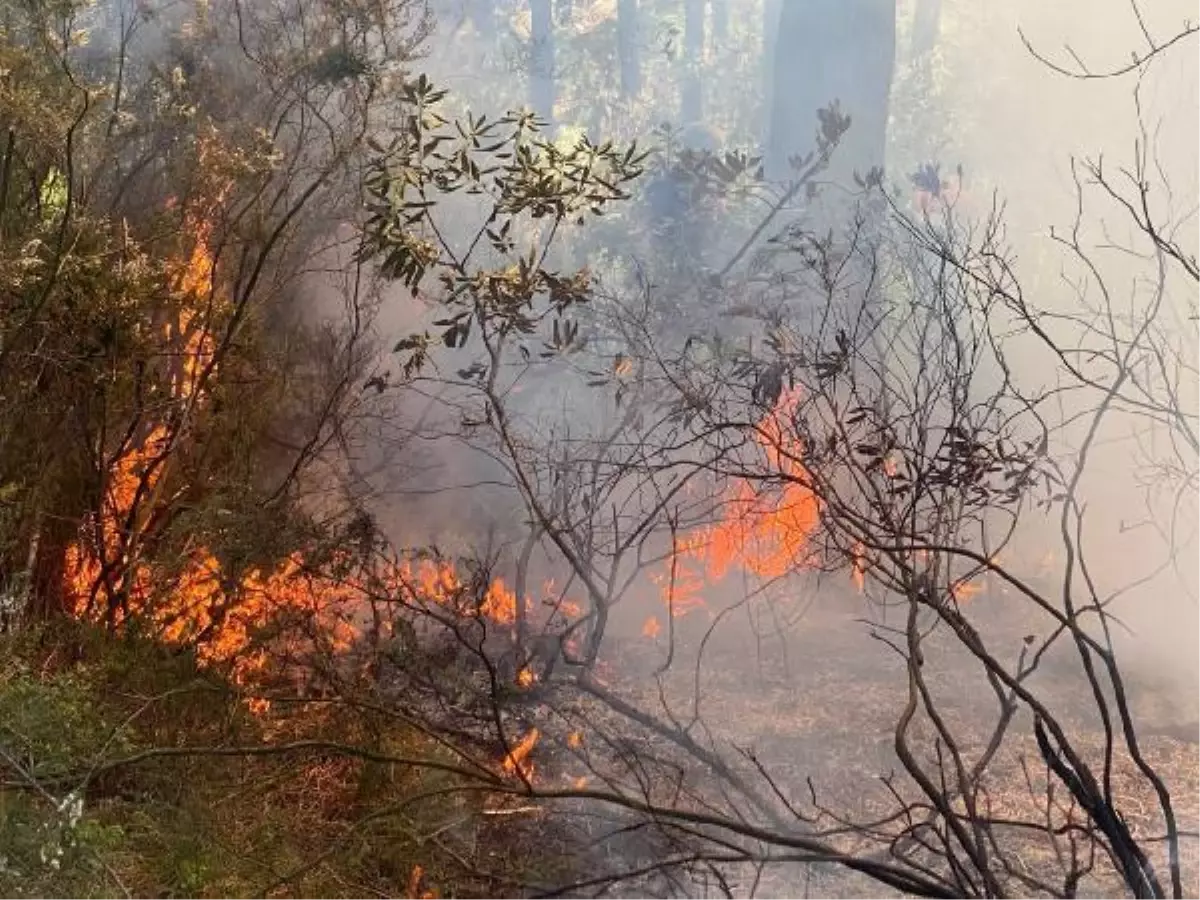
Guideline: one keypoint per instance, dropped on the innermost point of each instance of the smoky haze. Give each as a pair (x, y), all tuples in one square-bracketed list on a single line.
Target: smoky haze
[(950, 82), (948, 100), (605, 447)]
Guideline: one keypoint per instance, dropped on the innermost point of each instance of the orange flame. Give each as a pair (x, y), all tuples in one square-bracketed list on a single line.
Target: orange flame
[(414, 891), (651, 628), (108, 573), (764, 534), (197, 602), (499, 603), (516, 760), (439, 582)]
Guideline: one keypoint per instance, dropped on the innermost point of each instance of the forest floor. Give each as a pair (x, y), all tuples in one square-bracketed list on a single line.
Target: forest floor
[(328, 824), (826, 713)]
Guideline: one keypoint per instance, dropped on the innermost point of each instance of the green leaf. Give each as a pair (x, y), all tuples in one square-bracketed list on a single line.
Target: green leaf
[(53, 195)]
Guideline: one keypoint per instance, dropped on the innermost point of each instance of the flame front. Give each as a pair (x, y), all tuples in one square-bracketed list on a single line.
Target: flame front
[(195, 601), (764, 533)]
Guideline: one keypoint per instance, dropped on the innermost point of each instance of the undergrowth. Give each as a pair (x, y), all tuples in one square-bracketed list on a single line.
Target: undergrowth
[(88, 809)]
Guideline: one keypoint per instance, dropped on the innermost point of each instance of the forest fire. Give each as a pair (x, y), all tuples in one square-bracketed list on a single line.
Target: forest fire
[(329, 331), (191, 332), (439, 582), (231, 625), (240, 621), (764, 534), (194, 601)]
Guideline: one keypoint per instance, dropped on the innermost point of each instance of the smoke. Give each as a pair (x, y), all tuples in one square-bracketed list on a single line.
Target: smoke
[(1030, 132), (979, 101), (980, 118), (978, 104)]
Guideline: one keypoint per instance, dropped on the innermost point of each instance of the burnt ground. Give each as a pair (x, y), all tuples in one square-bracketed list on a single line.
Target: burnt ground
[(825, 711)]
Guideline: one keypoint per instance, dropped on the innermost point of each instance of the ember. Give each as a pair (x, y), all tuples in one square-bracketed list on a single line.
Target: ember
[(651, 628)]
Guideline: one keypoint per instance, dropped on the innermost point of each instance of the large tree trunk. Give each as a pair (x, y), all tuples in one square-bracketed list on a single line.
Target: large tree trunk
[(828, 50), (541, 60), (627, 48), (926, 26), (720, 22), (692, 107)]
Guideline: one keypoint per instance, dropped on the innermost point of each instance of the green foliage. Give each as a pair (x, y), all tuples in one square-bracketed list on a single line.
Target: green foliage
[(319, 825), (52, 196), (51, 725), (525, 187), (55, 852)]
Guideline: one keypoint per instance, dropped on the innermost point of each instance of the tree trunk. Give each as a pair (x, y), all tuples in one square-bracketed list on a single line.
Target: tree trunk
[(48, 593), (828, 50), (926, 25), (628, 52), (770, 35), (720, 22), (5, 175), (541, 61), (692, 107)]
